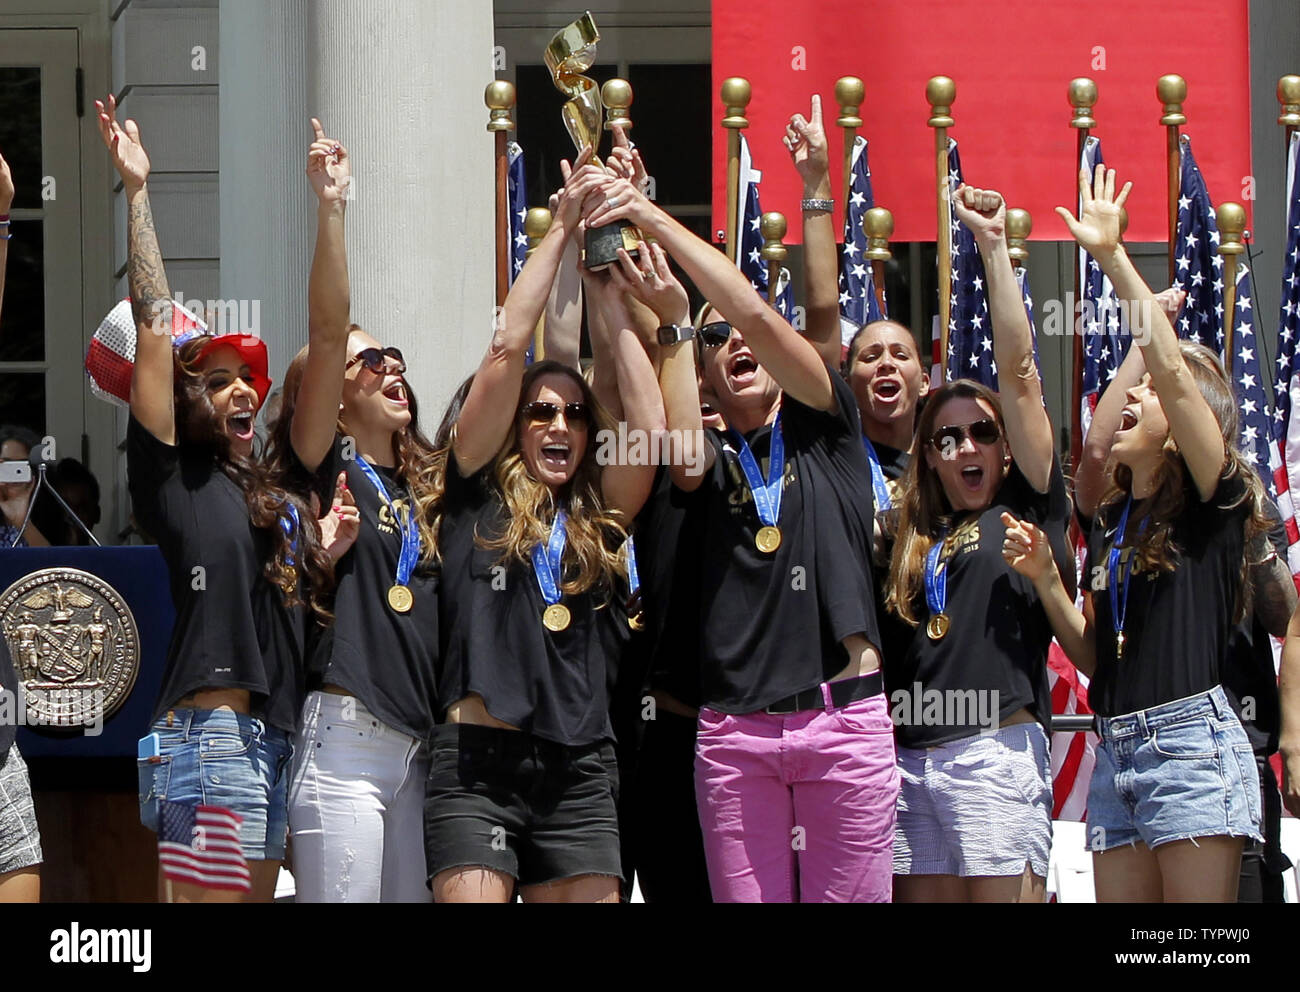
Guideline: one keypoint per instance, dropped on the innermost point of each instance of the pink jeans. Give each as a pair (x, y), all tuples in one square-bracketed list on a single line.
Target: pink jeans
[(798, 808)]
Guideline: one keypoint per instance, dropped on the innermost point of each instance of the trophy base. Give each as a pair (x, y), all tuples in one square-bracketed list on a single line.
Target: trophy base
[(600, 250)]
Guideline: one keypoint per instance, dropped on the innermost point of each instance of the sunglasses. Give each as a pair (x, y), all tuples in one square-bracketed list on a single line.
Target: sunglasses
[(376, 360), (981, 432), (715, 334), (543, 413)]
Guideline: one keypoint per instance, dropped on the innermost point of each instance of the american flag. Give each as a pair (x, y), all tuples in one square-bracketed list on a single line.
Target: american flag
[(858, 303), (1286, 427), (200, 845), (970, 331), (1105, 339), (747, 253), (516, 196), (1073, 754), (1199, 271)]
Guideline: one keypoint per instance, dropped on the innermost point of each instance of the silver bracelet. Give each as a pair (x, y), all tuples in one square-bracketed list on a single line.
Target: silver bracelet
[(826, 205)]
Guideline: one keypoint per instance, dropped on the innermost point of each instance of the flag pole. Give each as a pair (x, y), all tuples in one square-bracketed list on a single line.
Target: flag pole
[(536, 223), (1231, 218), (941, 91), (500, 99), (1171, 90), (849, 93), (1288, 95), (736, 93), (878, 225), (1083, 97), (773, 226)]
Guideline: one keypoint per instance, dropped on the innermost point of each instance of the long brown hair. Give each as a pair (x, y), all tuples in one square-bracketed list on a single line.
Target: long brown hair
[(924, 512), (595, 533), (263, 485), (1155, 547)]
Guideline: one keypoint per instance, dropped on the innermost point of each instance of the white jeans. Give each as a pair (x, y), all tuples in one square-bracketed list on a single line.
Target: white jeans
[(356, 806)]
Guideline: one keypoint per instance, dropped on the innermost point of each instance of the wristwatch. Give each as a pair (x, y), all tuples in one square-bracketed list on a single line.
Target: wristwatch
[(675, 333)]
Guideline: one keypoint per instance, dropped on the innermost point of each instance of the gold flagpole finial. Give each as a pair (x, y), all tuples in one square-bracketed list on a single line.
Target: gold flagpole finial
[(1231, 220), (878, 226), (1172, 91), (616, 95), (1083, 97), (500, 99), (942, 93), (1019, 224), (1288, 95), (772, 226)]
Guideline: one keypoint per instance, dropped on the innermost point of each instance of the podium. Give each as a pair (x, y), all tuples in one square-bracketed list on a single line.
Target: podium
[(84, 782)]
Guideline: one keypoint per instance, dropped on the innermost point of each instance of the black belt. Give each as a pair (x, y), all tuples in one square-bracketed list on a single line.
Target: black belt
[(843, 692)]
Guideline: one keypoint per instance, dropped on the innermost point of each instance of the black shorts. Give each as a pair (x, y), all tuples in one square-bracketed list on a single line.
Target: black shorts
[(525, 807)]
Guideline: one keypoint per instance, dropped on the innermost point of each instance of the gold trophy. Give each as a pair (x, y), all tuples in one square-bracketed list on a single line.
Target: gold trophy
[(571, 53)]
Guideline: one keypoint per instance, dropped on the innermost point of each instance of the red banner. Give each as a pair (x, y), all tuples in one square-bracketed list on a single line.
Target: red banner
[(1012, 64)]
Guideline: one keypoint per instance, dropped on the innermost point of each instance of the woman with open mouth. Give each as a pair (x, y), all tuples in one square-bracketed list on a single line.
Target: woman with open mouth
[(795, 773), (1175, 791), (969, 687), (242, 554), (356, 795), (523, 778)]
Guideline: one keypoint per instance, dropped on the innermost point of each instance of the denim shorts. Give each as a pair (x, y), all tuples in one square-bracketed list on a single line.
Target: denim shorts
[(519, 805), (978, 806), (227, 759), (1175, 771)]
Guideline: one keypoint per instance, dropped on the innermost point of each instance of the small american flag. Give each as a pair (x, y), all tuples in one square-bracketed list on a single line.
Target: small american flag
[(516, 196), (200, 845), (970, 331), (1286, 386), (749, 244), (858, 304)]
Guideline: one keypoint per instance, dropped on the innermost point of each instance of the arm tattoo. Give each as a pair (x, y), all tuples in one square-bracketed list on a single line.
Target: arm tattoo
[(150, 294), (1274, 594)]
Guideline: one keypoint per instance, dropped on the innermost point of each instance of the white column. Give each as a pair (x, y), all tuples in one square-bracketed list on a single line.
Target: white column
[(400, 82)]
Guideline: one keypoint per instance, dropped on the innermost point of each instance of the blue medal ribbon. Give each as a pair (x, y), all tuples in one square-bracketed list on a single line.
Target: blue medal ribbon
[(410, 529), (936, 579), (878, 486), (767, 496), (546, 561), (1114, 570), (290, 526), (633, 579)]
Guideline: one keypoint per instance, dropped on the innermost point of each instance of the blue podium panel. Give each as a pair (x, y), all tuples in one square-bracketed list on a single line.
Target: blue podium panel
[(139, 577)]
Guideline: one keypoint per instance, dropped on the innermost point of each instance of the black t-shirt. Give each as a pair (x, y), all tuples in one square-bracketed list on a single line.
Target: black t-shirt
[(771, 624), (386, 658), (552, 684), (1178, 623), (10, 700), (999, 633), (1248, 673), (667, 538), (232, 627)]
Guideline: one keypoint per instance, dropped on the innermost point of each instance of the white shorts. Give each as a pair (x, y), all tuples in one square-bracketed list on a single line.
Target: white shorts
[(978, 806)]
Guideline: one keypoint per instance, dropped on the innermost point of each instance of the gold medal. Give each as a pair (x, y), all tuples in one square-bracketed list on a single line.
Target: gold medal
[(937, 628), (400, 599), (290, 581), (1119, 645), (768, 539), (636, 622), (556, 617)]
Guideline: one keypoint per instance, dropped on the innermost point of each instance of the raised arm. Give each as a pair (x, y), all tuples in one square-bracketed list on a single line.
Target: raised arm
[(806, 142), (1029, 431), (1288, 687), (1193, 423), (626, 486), (489, 409), (6, 201), (791, 359), (315, 416), (151, 377), (563, 328)]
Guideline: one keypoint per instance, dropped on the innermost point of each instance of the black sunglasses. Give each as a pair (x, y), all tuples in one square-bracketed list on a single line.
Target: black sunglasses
[(376, 360), (543, 413), (715, 334), (981, 432)]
